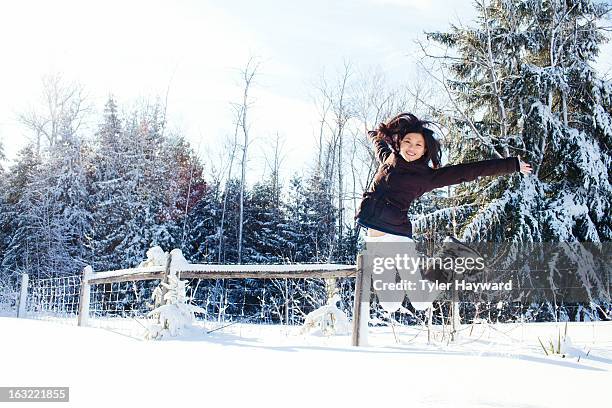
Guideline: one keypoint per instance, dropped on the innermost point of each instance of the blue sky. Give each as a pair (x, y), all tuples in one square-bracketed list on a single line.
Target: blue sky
[(138, 49)]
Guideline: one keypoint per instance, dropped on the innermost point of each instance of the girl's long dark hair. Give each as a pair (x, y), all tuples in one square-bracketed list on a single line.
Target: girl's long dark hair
[(394, 130)]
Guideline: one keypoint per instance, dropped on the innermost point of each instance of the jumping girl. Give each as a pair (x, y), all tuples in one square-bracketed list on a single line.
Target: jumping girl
[(409, 158)]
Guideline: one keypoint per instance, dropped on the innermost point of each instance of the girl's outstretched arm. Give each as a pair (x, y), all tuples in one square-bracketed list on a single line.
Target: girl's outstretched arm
[(381, 148), (460, 173)]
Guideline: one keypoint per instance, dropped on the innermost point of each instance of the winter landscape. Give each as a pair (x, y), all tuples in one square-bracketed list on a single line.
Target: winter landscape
[(179, 185), (490, 366)]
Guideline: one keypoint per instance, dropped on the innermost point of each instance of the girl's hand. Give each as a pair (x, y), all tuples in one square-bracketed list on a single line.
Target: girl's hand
[(525, 168)]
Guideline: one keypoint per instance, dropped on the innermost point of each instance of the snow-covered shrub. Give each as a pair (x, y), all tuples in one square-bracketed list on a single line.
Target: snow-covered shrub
[(176, 314), (327, 320)]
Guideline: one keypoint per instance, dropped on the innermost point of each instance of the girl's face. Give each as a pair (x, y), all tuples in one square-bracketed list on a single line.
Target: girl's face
[(412, 147)]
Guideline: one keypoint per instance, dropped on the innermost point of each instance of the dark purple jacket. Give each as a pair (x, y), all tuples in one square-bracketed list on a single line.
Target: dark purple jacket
[(398, 183)]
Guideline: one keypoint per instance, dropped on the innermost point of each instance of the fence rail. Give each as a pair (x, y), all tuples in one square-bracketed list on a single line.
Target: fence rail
[(205, 272)]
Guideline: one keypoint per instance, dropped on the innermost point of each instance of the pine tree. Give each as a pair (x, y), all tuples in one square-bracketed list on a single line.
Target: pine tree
[(320, 219), (311, 218), (293, 230), (68, 162), (144, 179), (522, 82), (228, 236), (51, 220), (202, 227), (135, 186), (525, 85), (20, 252), (111, 188), (6, 223), (262, 229)]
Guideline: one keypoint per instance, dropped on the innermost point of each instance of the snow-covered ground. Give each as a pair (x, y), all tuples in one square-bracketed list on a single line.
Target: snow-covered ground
[(264, 366)]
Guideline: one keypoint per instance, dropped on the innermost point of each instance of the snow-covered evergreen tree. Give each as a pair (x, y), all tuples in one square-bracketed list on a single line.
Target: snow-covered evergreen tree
[(51, 234), (5, 220), (308, 232), (173, 312), (523, 83), (68, 163), (111, 192), (320, 220), (201, 227), (136, 188), (262, 229), (3, 209), (144, 183), (18, 256), (293, 235)]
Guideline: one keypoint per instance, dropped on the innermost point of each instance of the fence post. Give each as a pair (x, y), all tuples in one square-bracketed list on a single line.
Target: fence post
[(165, 279), (361, 307), (23, 296), (84, 296)]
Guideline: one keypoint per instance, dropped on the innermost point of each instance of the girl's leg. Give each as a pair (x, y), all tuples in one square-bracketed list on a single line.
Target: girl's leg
[(389, 300), (421, 295)]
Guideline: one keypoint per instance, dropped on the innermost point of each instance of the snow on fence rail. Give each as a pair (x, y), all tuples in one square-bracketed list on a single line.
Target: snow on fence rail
[(127, 275), (202, 271)]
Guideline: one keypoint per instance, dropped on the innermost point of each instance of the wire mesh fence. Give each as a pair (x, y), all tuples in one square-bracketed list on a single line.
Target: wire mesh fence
[(122, 299), (124, 306), (54, 298), (266, 301)]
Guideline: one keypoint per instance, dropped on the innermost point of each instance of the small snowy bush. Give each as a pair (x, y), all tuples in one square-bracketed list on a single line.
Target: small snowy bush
[(176, 314), (327, 320)]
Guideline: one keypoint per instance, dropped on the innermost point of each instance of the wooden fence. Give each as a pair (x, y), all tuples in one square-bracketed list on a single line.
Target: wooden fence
[(203, 271)]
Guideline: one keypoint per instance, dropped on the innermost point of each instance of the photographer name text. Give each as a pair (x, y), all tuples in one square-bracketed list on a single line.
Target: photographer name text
[(426, 285)]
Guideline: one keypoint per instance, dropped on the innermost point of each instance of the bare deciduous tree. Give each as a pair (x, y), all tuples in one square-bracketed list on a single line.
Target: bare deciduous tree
[(232, 147), (62, 113), (248, 75), (273, 164), (336, 106)]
